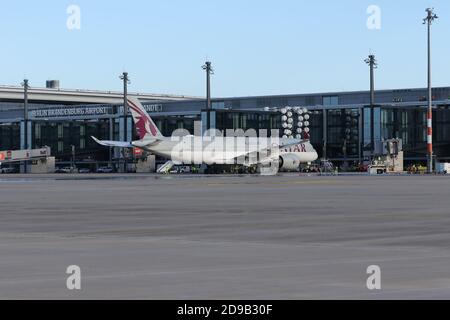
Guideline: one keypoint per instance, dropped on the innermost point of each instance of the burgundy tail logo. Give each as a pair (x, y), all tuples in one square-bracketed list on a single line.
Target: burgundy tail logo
[(143, 123)]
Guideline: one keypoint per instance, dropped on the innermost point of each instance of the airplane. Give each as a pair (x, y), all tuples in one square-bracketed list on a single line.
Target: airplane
[(286, 153)]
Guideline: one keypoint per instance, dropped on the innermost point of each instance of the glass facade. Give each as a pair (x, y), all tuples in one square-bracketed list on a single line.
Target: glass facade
[(317, 134), (61, 136), (410, 125), (10, 136), (330, 101), (337, 133), (246, 120), (167, 125), (343, 136)]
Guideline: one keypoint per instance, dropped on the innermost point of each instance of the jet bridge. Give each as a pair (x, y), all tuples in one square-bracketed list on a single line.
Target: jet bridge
[(40, 159)]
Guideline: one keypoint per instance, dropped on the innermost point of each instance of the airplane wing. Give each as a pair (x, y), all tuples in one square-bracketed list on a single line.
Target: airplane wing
[(107, 143), (254, 153)]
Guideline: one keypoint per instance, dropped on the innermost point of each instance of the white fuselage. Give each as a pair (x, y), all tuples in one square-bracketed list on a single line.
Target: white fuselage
[(226, 150), (304, 151)]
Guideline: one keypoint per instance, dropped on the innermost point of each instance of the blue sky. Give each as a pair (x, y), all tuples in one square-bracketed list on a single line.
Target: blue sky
[(258, 47)]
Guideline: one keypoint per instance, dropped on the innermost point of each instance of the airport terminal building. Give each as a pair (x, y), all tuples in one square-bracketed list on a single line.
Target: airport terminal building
[(340, 122)]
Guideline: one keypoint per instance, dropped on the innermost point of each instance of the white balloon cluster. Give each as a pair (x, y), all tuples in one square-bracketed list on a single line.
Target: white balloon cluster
[(295, 121)]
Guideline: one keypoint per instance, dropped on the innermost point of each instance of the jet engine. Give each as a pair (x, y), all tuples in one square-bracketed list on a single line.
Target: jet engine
[(289, 162)]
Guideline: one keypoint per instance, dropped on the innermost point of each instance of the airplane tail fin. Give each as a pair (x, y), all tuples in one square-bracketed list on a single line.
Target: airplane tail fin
[(145, 126)]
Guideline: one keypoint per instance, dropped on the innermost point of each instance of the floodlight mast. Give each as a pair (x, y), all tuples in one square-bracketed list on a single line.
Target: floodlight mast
[(373, 64), (126, 81), (209, 71), (431, 16), (26, 87)]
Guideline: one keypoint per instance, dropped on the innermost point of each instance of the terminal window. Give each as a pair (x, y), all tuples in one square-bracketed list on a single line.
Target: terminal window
[(330, 101)]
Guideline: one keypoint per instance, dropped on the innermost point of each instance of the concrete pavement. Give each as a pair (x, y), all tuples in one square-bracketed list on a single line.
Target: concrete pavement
[(232, 237)]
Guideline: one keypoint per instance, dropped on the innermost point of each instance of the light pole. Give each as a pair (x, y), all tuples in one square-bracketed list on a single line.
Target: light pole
[(124, 77), (431, 16), (209, 71), (372, 62), (73, 157), (25, 120)]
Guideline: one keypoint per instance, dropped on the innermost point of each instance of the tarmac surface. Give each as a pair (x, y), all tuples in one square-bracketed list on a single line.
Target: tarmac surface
[(224, 237)]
